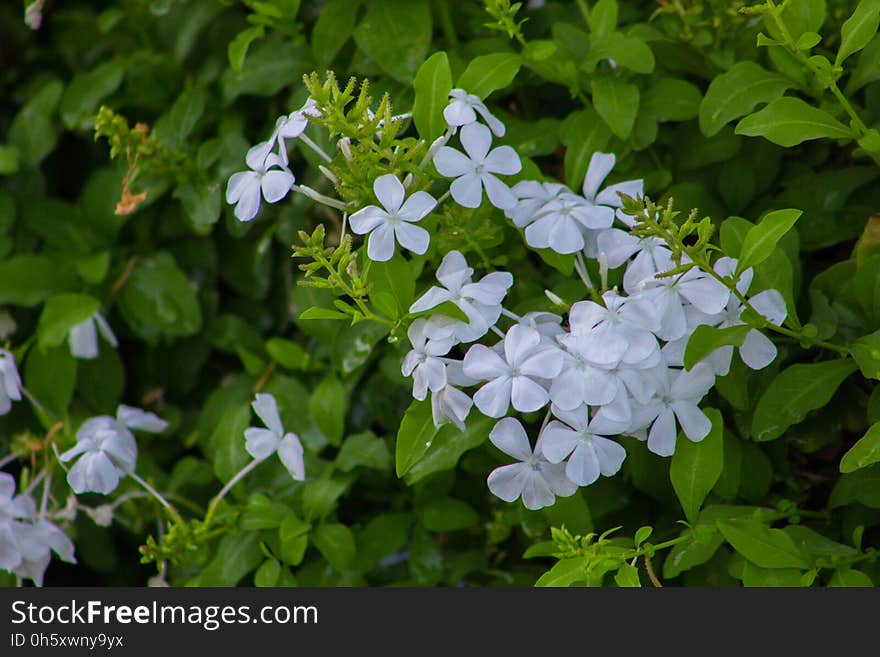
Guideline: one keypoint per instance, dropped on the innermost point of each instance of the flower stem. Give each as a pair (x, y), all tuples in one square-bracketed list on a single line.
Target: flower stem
[(7, 459), (152, 491), (320, 151), (44, 502), (241, 474)]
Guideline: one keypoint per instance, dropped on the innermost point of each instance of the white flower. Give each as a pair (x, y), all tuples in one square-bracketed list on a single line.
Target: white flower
[(757, 350), (262, 443), (620, 330), (450, 405), (599, 168), (480, 302), (547, 324), (268, 176), (423, 362), (10, 382), (580, 440), (534, 478), (562, 223), (463, 110), (671, 293), (678, 395), (512, 378), (474, 171), (289, 126), (107, 449), (395, 221), (13, 509), (531, 196), (37, 542), (83, 338), (611, 385)]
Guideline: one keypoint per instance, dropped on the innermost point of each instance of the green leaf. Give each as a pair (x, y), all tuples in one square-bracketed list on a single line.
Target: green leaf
[(320, 496), (364, 450), (333, 28), (227, 442), (697, 466), (416, 433), (627, 576), (158, 299), (761, 239), (850, 578), (395, 279), (396, 35), (34, 129), (565, 572), (446, 514), (27, 280), (448, 446), (8, 160), (789, 121), (268, 573), (691, 554), (237, 49), (867, 68), (432, 85), (237, 555), (706, 339), (294, 537), (177, 124), (866, 351), (321, 313), (262, 513), (583, 133), (795, 392), (51, 377), (858, 29), (85, 92), (755, 576), (336, 543), (290, 355), (862, 486), (488, 73), (627, 51), (763, 546), (603, 18), (736, 93), (328, 406), (671, 99), (617, 102), (60, 314), (864, 453)]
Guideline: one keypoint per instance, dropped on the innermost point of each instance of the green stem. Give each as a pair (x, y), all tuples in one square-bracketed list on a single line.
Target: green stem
[(368, 314), (212, 508), (152, 491), (832, 85)]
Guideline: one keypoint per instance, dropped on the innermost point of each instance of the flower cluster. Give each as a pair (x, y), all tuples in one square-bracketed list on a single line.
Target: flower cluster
[(27, 538), (614, 366)]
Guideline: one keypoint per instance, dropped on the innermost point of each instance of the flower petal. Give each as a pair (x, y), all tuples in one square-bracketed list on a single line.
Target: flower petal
[(467, 190), (507, 482), (367, 219), (510, 437), (414, 238), (417, 206), (599, 168), (83, 340), (380, 245), (503, 160), (390, 191), (266, 408), (476, 140), (493, 399), (452, 163), (290, 451), (275, 184)]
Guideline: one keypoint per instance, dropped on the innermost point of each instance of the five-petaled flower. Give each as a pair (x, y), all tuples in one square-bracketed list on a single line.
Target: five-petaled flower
[(393, 221), (475, 171), (534, 478), (463, 109), (107, 449), (269, 177)]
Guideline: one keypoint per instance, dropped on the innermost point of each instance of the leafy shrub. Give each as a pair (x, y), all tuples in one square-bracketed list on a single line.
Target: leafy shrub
[(156, 292)]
